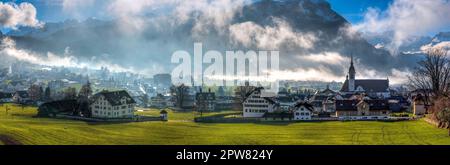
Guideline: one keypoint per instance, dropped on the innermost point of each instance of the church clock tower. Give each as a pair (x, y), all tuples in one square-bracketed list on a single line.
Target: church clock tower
[(351, 73)]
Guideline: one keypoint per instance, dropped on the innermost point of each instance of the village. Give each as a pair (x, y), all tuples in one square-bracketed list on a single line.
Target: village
[(357, 99)]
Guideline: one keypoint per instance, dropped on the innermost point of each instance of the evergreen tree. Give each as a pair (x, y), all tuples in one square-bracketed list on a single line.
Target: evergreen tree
[(47, 94)]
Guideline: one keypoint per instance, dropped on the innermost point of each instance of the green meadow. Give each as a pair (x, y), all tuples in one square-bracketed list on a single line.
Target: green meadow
[(18, 126)]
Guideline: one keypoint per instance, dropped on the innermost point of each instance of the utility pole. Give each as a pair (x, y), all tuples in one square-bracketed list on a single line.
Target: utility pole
[(6, 109)]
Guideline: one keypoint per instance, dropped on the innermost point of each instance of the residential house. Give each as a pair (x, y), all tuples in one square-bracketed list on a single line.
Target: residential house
[(285, 100), (158, 101), (317, 102), (21, 97), (112, 104), (418, 105), (205, 101), (398, 104), (329, 105), (6, 97), (16, 86), (303, 111), (323, 101), (225, 102), (362, 109), (255, 105)]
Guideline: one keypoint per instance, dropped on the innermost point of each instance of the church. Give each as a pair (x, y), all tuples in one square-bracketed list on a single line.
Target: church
[(372, 87)]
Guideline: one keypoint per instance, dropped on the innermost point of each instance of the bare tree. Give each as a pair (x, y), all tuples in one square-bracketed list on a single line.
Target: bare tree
[(70, 93), (241, 92), (83, 99), (35, 92), (179, 93), (432, 73)]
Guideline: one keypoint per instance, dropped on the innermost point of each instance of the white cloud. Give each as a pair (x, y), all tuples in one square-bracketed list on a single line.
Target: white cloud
[(75, 7), (250, 34), (406, 18), (379, 46), (13, 15), (396, 76), (302, 74), (442, 45), (8, 49), (217, 13), (333, 58)]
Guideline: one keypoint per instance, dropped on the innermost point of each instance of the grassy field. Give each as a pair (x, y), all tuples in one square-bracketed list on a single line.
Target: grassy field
[(19, 126)]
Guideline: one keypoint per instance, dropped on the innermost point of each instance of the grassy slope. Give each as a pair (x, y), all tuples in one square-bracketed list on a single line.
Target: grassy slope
[(20, 125)]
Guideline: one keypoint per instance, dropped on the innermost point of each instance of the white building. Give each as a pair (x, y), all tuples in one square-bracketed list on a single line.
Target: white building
[(303, 111), (418, 105), (117, 104), (255, 105)]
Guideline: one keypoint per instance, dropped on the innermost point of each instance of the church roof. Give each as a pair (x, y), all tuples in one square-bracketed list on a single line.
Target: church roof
[(369, 85)]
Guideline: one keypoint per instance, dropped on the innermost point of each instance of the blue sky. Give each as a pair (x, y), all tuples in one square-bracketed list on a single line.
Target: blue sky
[(52, 10), (353, 10)]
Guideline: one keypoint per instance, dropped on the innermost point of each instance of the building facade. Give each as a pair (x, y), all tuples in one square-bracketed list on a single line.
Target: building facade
[(303, 111), (205, 101), (116, 104), (255, 105), (362, 109)]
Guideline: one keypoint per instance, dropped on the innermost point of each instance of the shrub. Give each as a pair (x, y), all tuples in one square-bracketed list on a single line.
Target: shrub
[(440, 111)]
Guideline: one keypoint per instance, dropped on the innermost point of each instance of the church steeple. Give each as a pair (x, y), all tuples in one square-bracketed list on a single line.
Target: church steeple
[(351, 76), (351, 70)]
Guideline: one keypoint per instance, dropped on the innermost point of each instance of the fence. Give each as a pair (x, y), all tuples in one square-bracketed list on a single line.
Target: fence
[(134, 119), (226, 120)]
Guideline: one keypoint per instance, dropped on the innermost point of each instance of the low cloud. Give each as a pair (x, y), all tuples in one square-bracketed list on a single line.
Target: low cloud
[(13, 15), (270, 37), (332, 58), (135, 15), (8, 49)]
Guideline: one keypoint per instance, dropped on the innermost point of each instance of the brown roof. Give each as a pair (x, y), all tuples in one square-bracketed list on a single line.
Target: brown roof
[(369, 85), (351, 105), (115, 96)]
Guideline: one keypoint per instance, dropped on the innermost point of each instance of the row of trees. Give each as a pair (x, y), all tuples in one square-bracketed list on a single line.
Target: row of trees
[(432, 79), (38, 93)]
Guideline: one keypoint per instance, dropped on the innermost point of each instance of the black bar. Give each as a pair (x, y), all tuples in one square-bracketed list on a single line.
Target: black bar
[(280, 153)]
